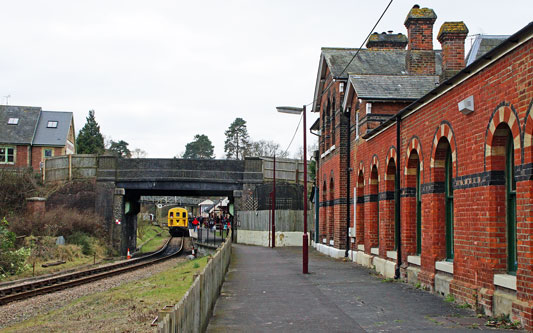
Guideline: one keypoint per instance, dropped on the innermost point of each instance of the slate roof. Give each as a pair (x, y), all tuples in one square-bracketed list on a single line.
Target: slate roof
[(32, 126), (368, 61), (24, 131), (483, 44), (398, 87), (45, 136)]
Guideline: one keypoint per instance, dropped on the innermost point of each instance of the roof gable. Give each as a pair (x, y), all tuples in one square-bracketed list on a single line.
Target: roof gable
[(53, 136)]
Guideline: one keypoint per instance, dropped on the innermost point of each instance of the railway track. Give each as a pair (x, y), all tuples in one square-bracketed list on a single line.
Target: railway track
[(173, 247)]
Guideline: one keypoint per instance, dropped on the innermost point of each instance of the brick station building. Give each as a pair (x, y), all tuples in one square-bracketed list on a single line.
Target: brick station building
[(426, 166)]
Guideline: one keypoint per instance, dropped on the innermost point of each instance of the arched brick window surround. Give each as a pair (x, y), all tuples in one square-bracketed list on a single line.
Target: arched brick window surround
[(504, 113), (444, 130)]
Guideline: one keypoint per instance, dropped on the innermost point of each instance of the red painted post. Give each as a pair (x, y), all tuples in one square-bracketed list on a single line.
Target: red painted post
[(305, 240)]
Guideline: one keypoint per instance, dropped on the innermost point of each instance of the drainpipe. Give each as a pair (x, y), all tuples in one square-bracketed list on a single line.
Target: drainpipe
[(348, 113), (397, 199)]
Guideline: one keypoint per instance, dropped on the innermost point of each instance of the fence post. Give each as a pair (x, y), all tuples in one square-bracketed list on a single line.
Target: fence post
[(69, 167)]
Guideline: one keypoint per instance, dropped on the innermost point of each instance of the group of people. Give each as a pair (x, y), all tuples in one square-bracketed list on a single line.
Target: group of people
[(213, 221)]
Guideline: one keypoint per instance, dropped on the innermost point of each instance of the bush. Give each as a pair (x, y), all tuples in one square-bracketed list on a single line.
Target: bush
[(83, 240), (59, 222), (12, 261), (16, 185)]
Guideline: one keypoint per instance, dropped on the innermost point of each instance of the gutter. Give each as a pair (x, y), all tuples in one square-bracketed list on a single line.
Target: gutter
[(397, 226), (348, 170)]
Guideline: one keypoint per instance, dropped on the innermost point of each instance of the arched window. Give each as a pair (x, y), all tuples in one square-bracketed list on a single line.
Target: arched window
[(510, 193), (448, 192), (374, 207), (418, 211)]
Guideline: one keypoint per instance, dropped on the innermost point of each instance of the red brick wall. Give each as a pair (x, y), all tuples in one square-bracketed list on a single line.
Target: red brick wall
[(503, 94)]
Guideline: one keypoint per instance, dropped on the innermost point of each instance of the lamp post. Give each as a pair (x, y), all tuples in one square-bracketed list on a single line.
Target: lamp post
[(305, 240)]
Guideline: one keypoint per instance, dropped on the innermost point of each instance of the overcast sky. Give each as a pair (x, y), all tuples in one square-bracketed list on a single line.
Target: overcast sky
[(158, 72)]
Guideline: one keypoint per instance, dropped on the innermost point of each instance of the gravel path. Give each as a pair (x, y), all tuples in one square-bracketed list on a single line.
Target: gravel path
[(15, 312)]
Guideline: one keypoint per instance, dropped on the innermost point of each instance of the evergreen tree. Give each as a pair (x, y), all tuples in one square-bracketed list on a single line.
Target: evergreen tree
[(90, 140), (120, 148), (237, 144), (201, 147)]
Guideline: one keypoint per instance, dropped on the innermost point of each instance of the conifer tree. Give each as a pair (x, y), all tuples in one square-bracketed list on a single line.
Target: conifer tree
[(237, 144), (90, 140), (201, 147)]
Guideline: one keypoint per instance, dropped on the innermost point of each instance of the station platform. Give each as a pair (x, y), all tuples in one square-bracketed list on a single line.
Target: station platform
[(265, 291)]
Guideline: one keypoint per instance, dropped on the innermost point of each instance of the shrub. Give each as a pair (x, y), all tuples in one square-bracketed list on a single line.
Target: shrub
[(12, 261), (16, 185), (83, 240), (59, 222)]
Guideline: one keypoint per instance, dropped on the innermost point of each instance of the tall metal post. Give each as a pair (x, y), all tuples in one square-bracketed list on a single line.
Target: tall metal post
[(274, 206), (305, 239)]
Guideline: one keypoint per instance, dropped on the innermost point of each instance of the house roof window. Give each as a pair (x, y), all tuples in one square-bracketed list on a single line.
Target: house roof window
[(52, 124), (13, 121)]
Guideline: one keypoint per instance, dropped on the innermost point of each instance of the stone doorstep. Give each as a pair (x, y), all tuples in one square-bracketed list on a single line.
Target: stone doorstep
[(442, 283)]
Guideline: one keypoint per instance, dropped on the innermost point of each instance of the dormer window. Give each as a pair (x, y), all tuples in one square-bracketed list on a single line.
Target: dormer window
[(13, 121), (52, 124)]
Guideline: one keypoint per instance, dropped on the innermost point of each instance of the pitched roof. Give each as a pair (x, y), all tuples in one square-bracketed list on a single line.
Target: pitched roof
[(23, 132), (50, 136), (483, 44), (368, 61), (398, 87)]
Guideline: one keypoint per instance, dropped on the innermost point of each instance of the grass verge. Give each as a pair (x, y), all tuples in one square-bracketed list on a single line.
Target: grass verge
[(130, 307), (157, 240)]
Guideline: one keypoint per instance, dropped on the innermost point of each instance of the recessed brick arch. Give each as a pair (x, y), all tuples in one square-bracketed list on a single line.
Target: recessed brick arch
[(391, 154), (527, 135), (414, 144), (362, 169), (504, 113), (444, 130)]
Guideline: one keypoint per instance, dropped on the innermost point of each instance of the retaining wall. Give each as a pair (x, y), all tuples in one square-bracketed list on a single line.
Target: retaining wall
[(193, 311)]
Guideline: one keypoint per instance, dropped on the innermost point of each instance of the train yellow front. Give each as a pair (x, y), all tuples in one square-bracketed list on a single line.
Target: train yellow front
[(178, 222)]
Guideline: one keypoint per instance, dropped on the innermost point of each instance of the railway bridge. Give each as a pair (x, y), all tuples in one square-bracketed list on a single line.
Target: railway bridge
[(120, 183)]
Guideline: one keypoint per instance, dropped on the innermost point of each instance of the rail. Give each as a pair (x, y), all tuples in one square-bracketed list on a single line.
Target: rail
[(45, 286)]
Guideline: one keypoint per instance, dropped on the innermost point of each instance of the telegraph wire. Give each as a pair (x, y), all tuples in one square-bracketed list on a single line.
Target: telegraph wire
[(356, 53), (344, 70)]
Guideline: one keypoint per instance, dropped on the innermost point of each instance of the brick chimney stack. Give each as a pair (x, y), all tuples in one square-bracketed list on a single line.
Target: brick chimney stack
[(386, 41), (420, 55), (452, 37)]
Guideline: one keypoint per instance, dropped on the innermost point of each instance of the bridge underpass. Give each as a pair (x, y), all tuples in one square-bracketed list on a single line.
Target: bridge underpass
[(120, 183), (133, 191)]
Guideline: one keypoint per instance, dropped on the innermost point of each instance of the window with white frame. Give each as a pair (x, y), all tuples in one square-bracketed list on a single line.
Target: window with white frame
[(7, 155), (13, 121), (52, 124)]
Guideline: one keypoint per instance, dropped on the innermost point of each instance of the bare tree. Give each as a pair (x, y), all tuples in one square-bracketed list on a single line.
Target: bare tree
[(266, 148), (138, 153)]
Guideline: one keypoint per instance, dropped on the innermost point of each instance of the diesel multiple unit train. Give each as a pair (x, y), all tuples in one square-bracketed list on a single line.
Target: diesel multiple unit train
[(178, 222)]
